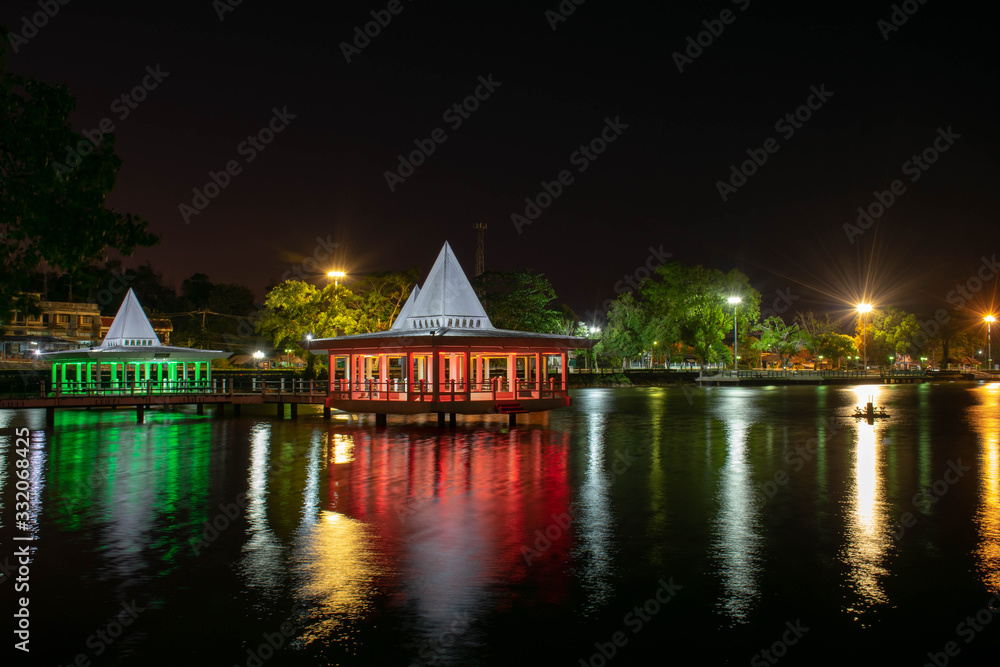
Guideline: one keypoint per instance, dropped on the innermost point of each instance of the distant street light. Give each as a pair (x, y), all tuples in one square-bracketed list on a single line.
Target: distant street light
[(735, 301), (989, 319), (864, 309), (336, 275)]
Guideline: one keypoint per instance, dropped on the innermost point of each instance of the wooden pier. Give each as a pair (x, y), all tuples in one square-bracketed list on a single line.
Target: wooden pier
[(144, 396)]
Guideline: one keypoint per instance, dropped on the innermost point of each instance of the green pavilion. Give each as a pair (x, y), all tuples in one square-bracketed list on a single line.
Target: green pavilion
[(131, 360)]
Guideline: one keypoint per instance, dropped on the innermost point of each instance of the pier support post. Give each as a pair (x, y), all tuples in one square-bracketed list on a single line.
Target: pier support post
[(512, 419), (200, 408), (380, 419), (440, 420), (220, 410), (295, 410), (237, 409), (326, 412), (451, 419), (139, 414), (281, 411), (50, 416)]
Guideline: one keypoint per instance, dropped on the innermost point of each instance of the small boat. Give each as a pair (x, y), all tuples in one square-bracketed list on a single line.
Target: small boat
[(870, 413)]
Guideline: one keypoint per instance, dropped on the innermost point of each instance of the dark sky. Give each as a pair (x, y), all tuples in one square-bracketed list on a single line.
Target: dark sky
[(655, 185)]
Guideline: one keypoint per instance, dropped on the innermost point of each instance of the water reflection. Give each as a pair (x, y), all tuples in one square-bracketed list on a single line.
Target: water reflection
[(596, 519), (868, 534), (441, 519), (262, 552), (985, 421), (738, 543)]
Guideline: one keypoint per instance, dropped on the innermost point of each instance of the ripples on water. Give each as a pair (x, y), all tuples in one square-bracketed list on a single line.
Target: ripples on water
[(419, 545)]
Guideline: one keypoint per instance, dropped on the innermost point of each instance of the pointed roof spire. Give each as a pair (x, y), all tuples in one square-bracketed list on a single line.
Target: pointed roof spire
[(130, 327), (447, 299), (404, 312)]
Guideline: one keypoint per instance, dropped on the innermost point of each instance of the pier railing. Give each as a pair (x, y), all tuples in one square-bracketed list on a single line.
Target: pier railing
[(215, 386), (805, 374), (450, 390)]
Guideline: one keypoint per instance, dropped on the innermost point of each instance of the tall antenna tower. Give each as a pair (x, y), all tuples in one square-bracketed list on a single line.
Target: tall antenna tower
[(480, 228)]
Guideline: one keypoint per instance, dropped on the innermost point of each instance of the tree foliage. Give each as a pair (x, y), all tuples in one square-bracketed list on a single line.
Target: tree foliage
[(379, 297), (50, 213), (519, 300), (778, 338), (294, 309)]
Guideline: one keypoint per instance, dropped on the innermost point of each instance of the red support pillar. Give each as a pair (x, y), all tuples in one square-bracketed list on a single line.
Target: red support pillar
[(468, 375), (383, 374), (565, 371), (434, 366), (408, 374), (538, 373)]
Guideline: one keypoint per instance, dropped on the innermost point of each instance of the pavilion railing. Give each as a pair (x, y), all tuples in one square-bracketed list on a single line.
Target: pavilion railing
[(215, 386), (450, 390)]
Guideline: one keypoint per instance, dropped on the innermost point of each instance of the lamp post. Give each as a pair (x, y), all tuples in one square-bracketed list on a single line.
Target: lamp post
[(735, 301), (989, 319), (336, 275), (864, 309), (593, 330)]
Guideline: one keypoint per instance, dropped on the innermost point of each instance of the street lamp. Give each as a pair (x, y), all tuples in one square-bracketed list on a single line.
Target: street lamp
[(864, 309), (593, 330), (989, 319), (653, 365), (735, 301), (336, 275)]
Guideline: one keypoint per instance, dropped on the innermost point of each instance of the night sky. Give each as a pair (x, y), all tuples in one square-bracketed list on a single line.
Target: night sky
[(886, 95)]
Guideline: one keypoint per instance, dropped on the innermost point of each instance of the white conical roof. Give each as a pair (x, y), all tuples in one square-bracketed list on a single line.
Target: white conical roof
[(404, 312), (131, 327), (447, 299)]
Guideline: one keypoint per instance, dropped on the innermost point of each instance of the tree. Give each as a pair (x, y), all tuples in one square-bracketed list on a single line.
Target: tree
[(890, 332), (294, 309), (52, 201), (778, 338), (518, 300), (379, 298), (626, 327), (814, 332), (689, 304), (836, 347)]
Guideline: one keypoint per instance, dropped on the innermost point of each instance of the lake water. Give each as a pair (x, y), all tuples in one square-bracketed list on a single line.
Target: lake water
[(639, 526)]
